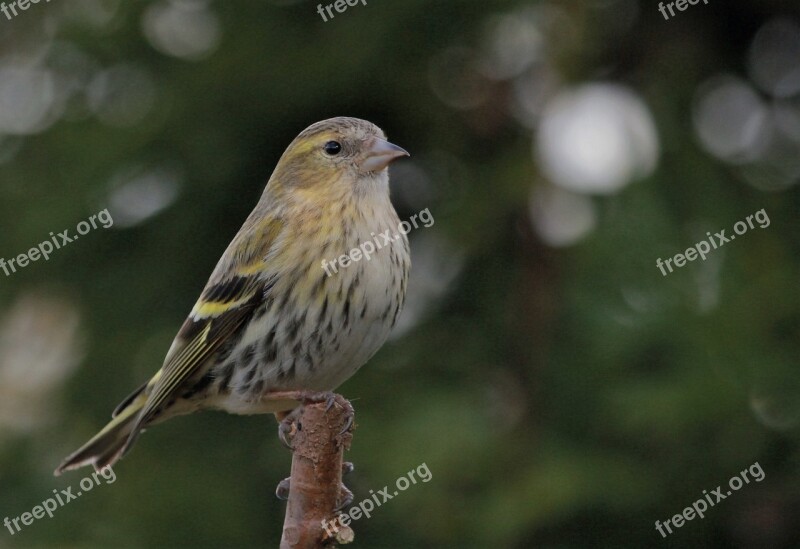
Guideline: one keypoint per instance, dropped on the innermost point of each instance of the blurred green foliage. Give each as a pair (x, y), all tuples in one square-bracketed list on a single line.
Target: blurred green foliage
[(561, 395)]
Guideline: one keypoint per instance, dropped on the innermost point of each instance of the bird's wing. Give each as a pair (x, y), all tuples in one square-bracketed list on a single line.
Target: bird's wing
[(236, 288)]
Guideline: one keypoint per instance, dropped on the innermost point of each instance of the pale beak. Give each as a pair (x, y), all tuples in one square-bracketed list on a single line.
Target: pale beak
[(380, 153)]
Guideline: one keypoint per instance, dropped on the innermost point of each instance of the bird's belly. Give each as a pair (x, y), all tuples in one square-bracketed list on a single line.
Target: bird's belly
[(317, 348)]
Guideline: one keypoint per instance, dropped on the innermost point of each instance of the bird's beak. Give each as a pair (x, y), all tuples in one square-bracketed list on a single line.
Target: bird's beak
[(380, 153)]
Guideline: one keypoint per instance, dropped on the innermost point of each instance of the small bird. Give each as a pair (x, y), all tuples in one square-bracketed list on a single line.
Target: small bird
[(272, 328)]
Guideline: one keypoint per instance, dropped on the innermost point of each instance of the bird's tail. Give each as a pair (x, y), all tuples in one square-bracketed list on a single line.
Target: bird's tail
[(107, 446)]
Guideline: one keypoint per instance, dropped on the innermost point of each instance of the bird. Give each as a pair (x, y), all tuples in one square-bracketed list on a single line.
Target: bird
[(272, 328)]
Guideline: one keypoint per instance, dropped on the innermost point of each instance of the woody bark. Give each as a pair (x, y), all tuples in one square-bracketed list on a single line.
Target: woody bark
[(316, 478)]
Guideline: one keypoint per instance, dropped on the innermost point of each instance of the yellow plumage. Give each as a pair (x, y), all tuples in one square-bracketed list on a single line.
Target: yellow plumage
[(270, 319)]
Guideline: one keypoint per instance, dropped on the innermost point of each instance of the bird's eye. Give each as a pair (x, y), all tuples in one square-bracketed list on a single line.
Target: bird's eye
[(332, 148)]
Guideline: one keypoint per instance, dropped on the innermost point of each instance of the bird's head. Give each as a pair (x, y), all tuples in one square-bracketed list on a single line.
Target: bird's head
[(337, 153)]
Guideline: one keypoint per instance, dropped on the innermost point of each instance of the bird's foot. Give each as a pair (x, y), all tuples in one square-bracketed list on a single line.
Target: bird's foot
[(290, 422), (289, 426)]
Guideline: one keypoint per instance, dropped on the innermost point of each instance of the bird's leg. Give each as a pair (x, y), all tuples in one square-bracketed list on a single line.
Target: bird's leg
[(289, 422)]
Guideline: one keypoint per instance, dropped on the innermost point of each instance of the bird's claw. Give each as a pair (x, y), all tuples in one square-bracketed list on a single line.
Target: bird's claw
[(348, 420), (289, 426), (282, 491), (345, 498), (349, 413)]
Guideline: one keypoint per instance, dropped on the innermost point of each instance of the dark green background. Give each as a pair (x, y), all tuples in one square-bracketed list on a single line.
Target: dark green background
[(562, 396)]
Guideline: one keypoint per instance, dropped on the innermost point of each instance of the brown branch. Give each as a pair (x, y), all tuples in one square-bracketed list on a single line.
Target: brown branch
[(316, 481)]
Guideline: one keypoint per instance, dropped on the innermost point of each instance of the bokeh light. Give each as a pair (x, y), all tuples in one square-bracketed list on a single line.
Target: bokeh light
[(597, 138)]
